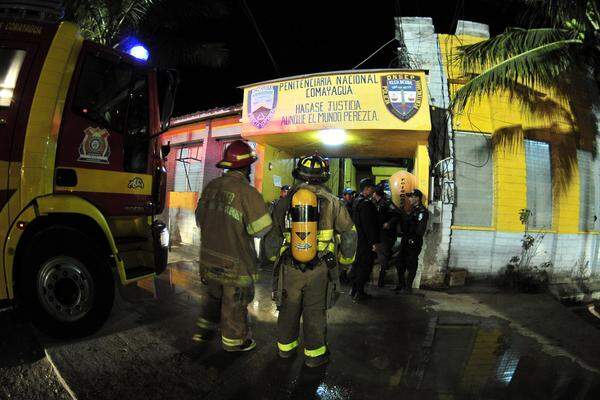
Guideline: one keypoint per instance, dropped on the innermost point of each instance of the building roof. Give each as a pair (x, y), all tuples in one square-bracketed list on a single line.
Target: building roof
[(207, 114)]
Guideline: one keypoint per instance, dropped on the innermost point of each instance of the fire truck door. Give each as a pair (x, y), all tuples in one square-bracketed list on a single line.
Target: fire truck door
[(104, 149)]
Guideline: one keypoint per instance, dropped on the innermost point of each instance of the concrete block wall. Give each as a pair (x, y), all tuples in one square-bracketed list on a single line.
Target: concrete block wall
[(421, 42)]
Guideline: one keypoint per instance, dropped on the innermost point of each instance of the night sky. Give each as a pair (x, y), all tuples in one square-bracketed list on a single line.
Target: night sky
[(314, 36)]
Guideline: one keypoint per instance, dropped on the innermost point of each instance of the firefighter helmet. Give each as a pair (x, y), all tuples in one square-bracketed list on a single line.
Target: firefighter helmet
[(237, 155), (312, 169)]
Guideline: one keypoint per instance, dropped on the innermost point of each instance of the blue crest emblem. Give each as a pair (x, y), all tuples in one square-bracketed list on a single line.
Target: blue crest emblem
[(402, 94), (261, 105)]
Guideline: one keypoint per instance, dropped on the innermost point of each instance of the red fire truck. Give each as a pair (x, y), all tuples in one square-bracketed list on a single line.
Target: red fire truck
[(81, 172)]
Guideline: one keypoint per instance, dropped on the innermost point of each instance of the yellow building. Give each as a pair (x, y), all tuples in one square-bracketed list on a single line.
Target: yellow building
[(479, 169)]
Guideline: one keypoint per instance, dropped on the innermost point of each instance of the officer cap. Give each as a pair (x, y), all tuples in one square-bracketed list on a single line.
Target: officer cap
[(416, 193), (366, 182)]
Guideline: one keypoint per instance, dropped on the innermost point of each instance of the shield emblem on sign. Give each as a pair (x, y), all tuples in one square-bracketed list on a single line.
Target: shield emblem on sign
[(261, 105), (402, 94)]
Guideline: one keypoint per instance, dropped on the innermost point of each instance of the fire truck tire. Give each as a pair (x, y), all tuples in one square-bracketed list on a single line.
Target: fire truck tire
[(64, 284)]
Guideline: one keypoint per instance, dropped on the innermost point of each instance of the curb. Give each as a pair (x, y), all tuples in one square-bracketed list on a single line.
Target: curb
[(60, 378)]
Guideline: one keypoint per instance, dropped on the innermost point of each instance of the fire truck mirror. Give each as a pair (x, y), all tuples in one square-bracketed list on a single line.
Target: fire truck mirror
[(165, 150), (167, 86)]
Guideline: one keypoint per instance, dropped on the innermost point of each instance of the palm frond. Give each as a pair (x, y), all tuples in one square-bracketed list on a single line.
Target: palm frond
[(558, 12), (512, 42), (538, 67)]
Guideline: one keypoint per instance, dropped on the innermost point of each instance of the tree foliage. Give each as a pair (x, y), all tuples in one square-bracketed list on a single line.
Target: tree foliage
[(520, 60), (175, 30)]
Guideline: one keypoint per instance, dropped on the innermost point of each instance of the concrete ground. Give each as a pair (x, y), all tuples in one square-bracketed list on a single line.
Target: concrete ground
[(463, 344)]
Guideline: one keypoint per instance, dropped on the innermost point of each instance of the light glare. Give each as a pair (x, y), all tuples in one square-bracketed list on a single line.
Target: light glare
[(332, 137)]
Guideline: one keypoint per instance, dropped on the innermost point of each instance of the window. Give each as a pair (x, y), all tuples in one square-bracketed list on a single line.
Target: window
[(115, 95), (539, 184), (103, 91), (11, 61), (189, 169), (474, 180), (587, 191), (135, 143)]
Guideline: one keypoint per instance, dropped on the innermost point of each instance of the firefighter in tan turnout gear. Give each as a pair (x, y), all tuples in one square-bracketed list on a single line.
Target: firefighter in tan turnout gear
[(230, 214), (303, 245)]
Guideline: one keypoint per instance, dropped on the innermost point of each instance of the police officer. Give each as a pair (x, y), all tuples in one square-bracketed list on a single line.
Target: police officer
[(364, 215), (305, 289), (230, 214), (285, 189), (412, 226), (348, 199), (388, 231)]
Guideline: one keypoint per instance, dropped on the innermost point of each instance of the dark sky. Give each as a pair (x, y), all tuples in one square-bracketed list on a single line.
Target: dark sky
[(312, 36)]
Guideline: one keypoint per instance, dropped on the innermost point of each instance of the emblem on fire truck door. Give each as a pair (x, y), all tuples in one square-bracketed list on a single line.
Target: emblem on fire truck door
[(94, 147), (402, 94), (136, 183), (261, 105)]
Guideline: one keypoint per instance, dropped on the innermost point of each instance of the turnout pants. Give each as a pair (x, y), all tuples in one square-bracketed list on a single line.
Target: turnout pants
[(408, 261), (228, 306), (362, 269), (305, 295)]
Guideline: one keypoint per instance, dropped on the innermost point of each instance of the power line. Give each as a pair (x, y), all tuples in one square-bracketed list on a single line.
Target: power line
[(262, 39), (375, 52)]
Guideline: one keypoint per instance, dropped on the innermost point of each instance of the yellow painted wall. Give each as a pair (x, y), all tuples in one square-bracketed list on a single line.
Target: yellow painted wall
[(510, 186), (334, 180), (349, 174), (282, 165), (499, 114)]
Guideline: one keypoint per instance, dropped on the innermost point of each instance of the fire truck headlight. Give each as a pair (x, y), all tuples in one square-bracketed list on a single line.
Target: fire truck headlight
[(164, 238)]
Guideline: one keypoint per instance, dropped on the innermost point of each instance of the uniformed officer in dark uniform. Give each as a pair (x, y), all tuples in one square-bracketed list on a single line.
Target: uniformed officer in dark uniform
[(364, 215), (412, 229), (388, 231)]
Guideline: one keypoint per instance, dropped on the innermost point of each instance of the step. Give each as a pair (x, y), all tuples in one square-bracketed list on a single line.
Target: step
[(138, 272)]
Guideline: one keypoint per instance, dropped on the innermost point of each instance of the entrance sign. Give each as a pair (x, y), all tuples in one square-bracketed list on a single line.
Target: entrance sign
[(370, 100)]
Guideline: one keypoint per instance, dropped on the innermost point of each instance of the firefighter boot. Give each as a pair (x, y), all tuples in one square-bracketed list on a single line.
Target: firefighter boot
[(314, 362), (248, 345)]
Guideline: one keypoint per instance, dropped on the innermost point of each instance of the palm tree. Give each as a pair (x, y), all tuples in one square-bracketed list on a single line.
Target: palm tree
[(173, 29), (519, 61)]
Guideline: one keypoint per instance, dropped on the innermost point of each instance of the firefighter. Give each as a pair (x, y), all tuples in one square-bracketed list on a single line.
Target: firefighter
[(302, 244), (364, 214), (230, 214), (412, 229)]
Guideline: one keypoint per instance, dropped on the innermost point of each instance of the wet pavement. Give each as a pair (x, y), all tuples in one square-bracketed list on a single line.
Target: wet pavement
[(432, 345)]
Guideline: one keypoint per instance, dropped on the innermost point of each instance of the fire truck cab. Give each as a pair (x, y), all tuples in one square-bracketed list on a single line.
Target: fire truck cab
[(81, 173)]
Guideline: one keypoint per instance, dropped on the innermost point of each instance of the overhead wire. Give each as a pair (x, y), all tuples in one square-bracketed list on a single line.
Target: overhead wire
[(262, 39)]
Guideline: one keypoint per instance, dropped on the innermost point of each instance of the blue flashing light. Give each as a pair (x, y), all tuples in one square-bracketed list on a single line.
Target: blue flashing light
[(140, 52)]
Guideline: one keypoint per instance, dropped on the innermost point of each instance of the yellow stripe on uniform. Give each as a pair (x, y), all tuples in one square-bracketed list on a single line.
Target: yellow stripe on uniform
[(260, 224), (288, 347), (346, 261), (316, 352), (102, 181), (232, 342), (325, 235)]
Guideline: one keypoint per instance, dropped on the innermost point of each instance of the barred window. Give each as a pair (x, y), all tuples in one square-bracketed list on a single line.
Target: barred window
[(188, 170), (587, 190), (539, 184), (474, 180)]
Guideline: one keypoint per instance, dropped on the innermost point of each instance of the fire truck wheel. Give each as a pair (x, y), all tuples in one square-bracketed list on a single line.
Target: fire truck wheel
[(65, 286)]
